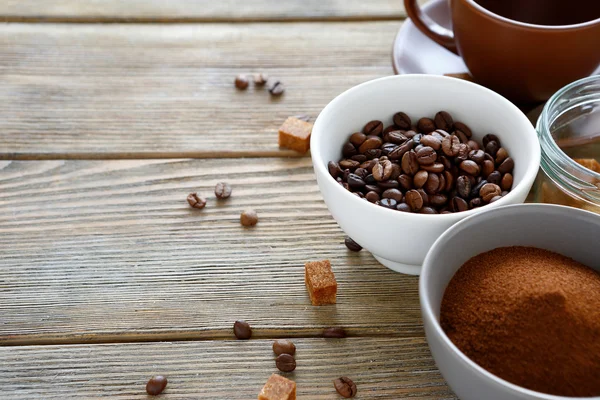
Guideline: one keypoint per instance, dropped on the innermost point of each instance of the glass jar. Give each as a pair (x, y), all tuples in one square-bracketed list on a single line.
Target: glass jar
[(569, 134)]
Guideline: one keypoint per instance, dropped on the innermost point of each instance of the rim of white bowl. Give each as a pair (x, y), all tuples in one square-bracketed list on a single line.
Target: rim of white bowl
[(427, 271), (530, 140)]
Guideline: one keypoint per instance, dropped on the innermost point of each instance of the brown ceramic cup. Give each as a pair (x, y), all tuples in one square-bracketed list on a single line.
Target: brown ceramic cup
[(525, 62)]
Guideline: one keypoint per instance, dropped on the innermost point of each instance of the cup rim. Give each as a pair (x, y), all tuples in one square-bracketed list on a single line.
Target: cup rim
[(319, 164), (493, 15), (426, 307)]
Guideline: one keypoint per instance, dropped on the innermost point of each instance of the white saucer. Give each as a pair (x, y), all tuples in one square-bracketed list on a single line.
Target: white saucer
[(415, 53)]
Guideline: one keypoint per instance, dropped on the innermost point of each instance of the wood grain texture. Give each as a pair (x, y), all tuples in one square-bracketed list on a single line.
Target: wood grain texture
[(199, 10), (131, 91), (110, 251), (383, 368)]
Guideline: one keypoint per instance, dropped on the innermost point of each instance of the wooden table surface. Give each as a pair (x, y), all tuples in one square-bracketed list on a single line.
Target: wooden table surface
[(111, 112)]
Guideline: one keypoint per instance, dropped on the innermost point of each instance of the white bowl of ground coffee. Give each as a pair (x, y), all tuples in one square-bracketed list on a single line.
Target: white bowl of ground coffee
[(511, 304)]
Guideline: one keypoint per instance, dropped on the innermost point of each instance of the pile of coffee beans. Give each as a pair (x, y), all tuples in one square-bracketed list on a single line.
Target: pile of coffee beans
[(433, 167)]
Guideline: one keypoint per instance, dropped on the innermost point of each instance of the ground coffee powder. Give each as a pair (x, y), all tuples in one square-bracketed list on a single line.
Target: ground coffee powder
[(529, 316)]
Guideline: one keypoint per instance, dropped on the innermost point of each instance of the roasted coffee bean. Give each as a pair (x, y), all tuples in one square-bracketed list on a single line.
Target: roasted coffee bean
[(410, 163), (371, 142), (463, 153), (459, 126), (410, 134), (345, 174), (435, 168), (349, 164), (389, 184), (458, 204), (417, 139), (403, 207), (195, 201), (284, 346), (495, 198), (348, 150), (461, 136), (285, 363), (334, 333), (382, 171), (424, 196), (449, 178), (492, 148), (438, 200), (463, 186), (501, 155), (156, 385), (443, 120), (250, 218), (261, 79), (361, 172), (445, 161), (369, 180), (276, 88), (345, 387), (373, 153), (420, 178), (241, 82), (405, 181), (476, 202), (414, 199), (374, 128), (393, 194), (388, 203), (470, 167), (242, 330), (357, 138), (428, 210), (352, 246), (487, 167), (489, 191), (402, 121), (489, 138), (489, 157), (361, 158), (355, 182), (475, 190), (495, 178), (399, 151), (432, 141), (507, 182), (432, 185), (473, 145), (396, 137), (426, 125), (440, 133), (334, 169), (396, 171), (451, 146), (387, 130), (372, 196), (426, 155), (222, 190), (477, 155), (506, 166), (419, 147)]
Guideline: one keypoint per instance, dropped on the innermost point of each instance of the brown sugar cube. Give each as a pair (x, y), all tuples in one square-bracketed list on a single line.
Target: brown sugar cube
[(295, 134), (278, 388), (320, 282)]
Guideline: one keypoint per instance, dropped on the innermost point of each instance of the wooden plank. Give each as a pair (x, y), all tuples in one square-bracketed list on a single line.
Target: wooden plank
[(199, 10), (98, 91), (106, 251), (383, 368)]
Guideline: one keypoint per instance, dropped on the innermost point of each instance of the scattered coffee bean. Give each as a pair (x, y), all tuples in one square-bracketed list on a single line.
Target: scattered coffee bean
[(443, 120), (156, 385), (402, 121), (345, 387), (285, 363), (276, 88), (241, 82), (249, 218), (334, 333), (284, 346), (261, 79), (222, 190), (242, 330), (351, 244), (196, 201)]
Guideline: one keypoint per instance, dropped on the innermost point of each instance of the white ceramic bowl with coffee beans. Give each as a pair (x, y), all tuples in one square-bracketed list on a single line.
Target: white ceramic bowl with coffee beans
[(564, 230), (400, 159)]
